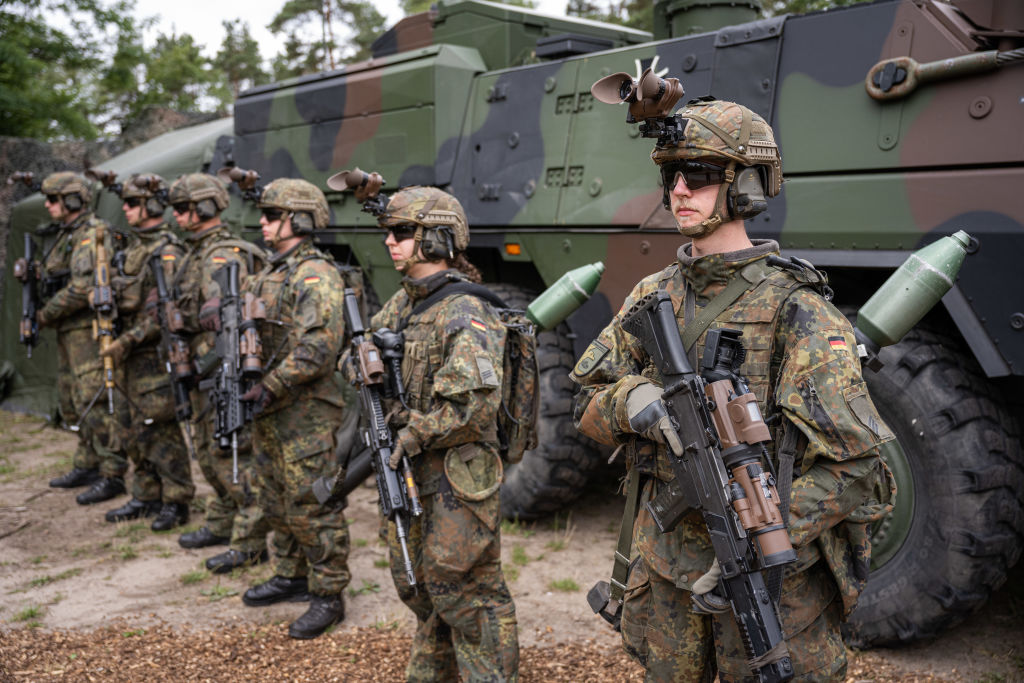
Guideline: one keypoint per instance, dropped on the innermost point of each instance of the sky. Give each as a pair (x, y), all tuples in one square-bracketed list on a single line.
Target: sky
[(202, 18)]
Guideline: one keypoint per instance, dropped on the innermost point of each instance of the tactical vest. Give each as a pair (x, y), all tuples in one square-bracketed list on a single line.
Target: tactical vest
[(756, 315)]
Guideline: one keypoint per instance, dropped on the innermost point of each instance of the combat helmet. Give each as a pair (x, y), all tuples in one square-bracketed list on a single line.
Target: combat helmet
[(734, 138), (206, 193), (440, 221), (149, 187), (302, 199), (73, 189)]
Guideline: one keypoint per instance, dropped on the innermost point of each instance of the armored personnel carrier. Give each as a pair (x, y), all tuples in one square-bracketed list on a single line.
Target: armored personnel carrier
[(898, 121)]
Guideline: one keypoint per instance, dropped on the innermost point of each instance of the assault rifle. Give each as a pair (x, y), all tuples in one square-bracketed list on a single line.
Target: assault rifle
[(720, 473), (27, 270), (101, 299), (175, 350), (239, 353), (399, 499)]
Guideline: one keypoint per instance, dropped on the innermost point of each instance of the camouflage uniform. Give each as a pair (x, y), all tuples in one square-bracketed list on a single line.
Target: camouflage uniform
[(801, 364), (452, 369), (293, 437), (69, 266), (162, 468), (232, 510)]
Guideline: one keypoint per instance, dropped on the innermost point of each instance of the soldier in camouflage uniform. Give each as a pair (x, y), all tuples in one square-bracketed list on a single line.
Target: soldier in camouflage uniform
[(452, 370), (232, 515), (299, 403), (802, 366), (68, 278), (163, 474)]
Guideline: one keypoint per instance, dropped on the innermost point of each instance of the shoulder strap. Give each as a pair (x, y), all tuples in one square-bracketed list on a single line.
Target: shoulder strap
[(743, 281), (451, 289)]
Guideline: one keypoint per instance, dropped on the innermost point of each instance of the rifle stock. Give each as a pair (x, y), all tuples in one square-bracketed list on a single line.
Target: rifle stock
[(720, 473)]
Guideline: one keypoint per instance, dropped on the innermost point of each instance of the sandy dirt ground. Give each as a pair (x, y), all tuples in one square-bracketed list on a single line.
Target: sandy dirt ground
[(79, 595)]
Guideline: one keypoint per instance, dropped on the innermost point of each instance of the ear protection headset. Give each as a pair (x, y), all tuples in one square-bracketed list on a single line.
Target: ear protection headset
[(438, 243), (746, 197), (72, 202), (206, 209), (302, 222)]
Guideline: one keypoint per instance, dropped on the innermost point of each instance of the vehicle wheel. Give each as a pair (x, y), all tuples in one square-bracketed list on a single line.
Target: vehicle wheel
[(554, 474), (959, 518)]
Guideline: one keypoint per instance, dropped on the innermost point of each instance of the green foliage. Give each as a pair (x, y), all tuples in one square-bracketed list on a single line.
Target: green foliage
[(218, 592), (238, 61), (638, 14), (519, 555), (777, 7), (564, 585), (28, 613), (47, 579), (315, 38), (195, 576), (381, 563), (367, 587)]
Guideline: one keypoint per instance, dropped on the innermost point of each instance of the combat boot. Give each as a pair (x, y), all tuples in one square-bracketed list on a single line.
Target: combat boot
[(78, 476), (171, 515), (324, 611), (201, 538), (133, 509), (233, 559), (277, 589), (105, 489)]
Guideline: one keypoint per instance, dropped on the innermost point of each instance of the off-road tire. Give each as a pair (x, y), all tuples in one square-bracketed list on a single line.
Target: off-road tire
[(961, 448), (554, 474)]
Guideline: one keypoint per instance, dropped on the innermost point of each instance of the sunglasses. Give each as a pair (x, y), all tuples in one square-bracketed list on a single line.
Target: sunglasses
[(132, 202), (696, 174), (272, 214), (181, 207), (402, 232), (53, 198)]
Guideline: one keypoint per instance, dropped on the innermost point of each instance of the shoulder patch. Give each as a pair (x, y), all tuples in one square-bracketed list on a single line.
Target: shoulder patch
[(219, 260), (168, 257), (488, 377), (837, 343), (311, 280), (85, 242), (590, 358), (477, 325)]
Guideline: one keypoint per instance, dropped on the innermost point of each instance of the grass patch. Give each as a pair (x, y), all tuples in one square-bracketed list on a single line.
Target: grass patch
[(367, 587), (28, 614), (194, 576), (514, 526), (360, 543), (511, 573), (132, 634), (38, 559), (40, 581), (564, 530), (218, 592), (126, 552), (385, 625), (519, 556), (381, 563), (133, 532), (564, 585)]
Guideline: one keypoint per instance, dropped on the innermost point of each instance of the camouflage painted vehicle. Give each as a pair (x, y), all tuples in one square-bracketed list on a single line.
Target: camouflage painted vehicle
[(493, 103)]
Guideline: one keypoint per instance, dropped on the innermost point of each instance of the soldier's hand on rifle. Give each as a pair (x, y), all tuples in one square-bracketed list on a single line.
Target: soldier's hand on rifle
[(21, 270), (40, 320), (260, 396), (209, 315), (117, 350), (151, 304), (648, 417), (405, 444)]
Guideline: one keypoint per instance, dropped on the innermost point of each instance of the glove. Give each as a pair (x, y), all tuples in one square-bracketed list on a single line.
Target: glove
[(151, 304), (260, 396), (705, 600), (405, 444), (117, 350), (648, 417), (209, 315)]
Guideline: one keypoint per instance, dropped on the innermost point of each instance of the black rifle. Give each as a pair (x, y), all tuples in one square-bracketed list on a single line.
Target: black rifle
[(175, 350), (398, 497), (27, 271), (720, 473), (239, 352)]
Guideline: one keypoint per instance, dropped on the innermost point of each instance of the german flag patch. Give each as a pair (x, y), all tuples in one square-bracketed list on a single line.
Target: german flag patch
[(311, 280), (837, 343), (86, 242), (477, 325), (219, 260), (168, 257)]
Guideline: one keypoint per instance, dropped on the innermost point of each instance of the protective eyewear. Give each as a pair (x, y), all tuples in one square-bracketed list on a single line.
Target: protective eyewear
[(132, 202), (403, 232), (53, 198), (181, 207), (696, 174), (272, 214)]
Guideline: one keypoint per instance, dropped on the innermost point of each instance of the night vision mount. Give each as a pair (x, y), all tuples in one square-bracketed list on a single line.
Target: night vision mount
[(145, 183), (27, 178), (247, 181), (108, 179), (651, 100), (366, 187)]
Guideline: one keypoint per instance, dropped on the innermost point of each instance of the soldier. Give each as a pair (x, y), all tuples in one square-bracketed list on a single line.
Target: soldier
[(802, 366), (197, 200), (299, 403), (68, 277), (163, 474), (452, 370)]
